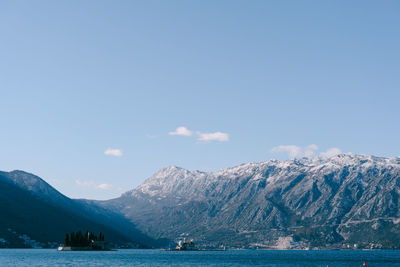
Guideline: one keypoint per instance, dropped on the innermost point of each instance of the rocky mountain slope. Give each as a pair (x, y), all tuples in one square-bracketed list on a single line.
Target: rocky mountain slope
[(35, 214), (345, 201)]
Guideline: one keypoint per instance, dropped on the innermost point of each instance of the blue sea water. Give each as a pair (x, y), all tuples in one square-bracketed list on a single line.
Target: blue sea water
[(131, 257)]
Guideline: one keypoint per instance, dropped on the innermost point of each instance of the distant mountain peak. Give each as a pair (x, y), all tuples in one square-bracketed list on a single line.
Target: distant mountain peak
[(170, 169), (312, 199), (168, 179)]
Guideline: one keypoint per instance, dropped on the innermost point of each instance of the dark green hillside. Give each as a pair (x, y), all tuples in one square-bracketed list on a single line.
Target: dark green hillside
[(22, 212)]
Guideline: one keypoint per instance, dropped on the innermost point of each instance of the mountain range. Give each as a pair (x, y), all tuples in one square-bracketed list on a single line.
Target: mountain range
[(345, 201)]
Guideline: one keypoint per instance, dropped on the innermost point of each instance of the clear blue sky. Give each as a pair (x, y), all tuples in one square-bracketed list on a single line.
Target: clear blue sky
[(80, 77)]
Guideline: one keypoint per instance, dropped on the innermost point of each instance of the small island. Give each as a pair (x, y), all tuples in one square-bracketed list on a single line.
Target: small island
[(76, 241)]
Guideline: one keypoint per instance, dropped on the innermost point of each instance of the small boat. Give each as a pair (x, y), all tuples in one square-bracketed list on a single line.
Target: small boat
[(183, 245)]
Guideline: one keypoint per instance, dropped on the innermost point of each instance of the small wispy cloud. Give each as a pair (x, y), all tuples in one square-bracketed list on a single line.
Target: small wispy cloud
[(295, 151), (330, 152), (105, 186), (309, 151), (182, 131), (203, 137), (98, 186), (113, 152), (217, 136)]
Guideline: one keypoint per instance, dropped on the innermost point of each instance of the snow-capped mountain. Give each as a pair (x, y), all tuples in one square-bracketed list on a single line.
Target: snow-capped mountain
[(345, 200)]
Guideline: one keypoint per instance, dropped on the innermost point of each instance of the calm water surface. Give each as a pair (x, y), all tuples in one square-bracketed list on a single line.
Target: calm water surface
[(130, 257)]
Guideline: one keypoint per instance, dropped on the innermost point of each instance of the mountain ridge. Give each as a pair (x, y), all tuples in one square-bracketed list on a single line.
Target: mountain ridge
[(339, 202), (34, 214), (270, 200)]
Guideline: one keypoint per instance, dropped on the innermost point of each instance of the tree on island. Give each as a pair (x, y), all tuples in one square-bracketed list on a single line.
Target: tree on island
[(101, 237), (77, 239), (67, 243)]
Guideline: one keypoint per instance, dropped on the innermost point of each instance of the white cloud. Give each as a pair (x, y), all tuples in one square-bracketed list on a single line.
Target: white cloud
[(182, 131), (330, 152), (204, 137), (308, 151), (295, 151), (217, 136), (94, 185), (105, 186), (113, 152)]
